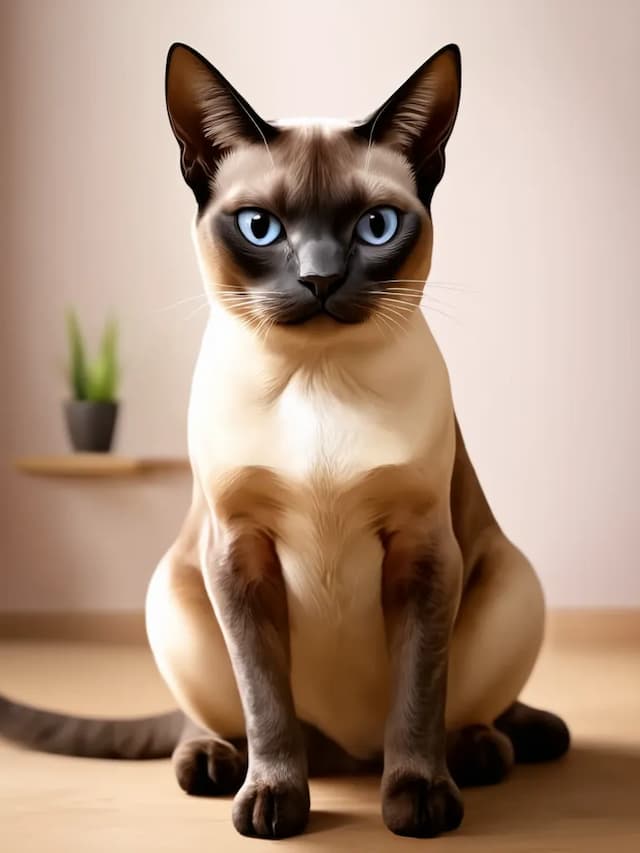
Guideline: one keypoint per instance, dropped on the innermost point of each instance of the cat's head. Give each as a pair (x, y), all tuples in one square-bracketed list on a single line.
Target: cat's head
[(326, 224)]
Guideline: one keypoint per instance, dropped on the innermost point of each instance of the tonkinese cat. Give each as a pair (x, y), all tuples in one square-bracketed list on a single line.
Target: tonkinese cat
[(340, 597)]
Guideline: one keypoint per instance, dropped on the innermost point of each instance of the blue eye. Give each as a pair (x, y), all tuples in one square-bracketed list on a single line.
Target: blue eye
[(377, 226), (258, 226)]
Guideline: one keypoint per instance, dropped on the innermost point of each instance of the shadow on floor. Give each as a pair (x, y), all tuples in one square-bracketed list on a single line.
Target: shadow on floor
[(592, 793)]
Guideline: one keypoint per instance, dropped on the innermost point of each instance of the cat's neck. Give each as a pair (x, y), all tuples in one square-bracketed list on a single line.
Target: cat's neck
[(364, 356)]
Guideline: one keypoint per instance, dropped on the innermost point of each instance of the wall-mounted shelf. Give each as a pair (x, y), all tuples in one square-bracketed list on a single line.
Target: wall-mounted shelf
[(97, 465)]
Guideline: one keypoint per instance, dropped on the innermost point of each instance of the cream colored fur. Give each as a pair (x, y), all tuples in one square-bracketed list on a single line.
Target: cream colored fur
[(312, 433)]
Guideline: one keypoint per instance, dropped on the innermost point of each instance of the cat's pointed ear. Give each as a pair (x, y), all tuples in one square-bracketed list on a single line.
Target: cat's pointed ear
[(418, 118), (208, 117)]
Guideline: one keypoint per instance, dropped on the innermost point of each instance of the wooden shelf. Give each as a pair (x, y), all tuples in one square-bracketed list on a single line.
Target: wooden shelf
[(97, 465)]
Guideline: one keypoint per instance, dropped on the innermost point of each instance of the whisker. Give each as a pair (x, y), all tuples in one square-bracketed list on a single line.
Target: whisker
[(264, 326), (398, 312), (383, 330), (396, 297), (439, 301), (239, 293), (256, 300), (182, 302), (407, 280), (422, 294), (444, 314), (409, 291), (385, 313), (457, 288), (398, 300), (195, 311), (246, 317), (269, 327), (378, 314), (394, 293), (448, 285), (419, 281), (410, 306), (248, 294), (247, 301), (262, 321), (387, 325)]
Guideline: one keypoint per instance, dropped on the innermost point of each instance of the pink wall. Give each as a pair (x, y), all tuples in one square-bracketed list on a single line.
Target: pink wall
[(536, 222)]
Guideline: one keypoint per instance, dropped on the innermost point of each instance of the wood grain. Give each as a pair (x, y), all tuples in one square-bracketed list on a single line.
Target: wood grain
[(567, 627), (587, 803), (97, 465), (79, 626)]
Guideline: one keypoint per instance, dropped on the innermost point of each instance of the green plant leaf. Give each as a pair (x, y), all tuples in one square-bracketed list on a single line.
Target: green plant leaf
[(78, 372), (104, 372)]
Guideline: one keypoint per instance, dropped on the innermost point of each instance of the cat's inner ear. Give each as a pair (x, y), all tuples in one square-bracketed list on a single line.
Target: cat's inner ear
[(418, 118), (208, 117)]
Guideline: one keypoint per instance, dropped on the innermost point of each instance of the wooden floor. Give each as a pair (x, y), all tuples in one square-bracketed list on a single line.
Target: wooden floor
[(588, 802)]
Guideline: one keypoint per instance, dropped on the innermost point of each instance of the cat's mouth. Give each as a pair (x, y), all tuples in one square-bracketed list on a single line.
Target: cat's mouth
[(346, 316)]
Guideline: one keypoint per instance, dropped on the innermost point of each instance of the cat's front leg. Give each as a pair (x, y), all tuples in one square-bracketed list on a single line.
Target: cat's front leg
[(245, 584), (421, 587)]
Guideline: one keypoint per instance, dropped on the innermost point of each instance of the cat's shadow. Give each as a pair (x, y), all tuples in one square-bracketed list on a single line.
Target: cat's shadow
[(591, 794)]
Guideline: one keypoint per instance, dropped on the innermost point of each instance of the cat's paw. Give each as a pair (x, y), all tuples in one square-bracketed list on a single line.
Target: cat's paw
[(419, 806), (479, 755), (209, 767), (271, 809), (536, 735)]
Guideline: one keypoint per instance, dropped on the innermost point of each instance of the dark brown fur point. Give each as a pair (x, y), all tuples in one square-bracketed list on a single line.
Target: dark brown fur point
[(479, 755), (251, 605), (319, 174), (476, 755), (317, 183), (67, 734), (470, 517), (400, 123), (536, 735), (318, 190), (207, 116), (419, 798), (206, 765)]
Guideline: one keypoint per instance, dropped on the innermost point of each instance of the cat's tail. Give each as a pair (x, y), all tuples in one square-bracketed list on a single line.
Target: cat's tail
[(90, 737)]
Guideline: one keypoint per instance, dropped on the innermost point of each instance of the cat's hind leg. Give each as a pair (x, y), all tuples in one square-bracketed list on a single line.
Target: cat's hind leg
[(496, 640), (479, 755), (210, 757), (207, 765), (496, 637), (535, 735)]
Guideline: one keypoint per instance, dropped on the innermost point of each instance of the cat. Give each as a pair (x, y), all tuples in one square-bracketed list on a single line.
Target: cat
[(341, 598)]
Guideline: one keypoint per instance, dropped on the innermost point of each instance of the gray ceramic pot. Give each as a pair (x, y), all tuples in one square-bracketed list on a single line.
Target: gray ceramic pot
[(91, 425)]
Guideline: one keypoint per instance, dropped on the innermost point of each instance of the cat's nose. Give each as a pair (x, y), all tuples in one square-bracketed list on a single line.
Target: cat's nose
[(321, 266), (322, 286)]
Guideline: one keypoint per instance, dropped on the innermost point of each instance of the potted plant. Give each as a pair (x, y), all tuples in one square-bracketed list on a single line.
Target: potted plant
[(91, 412)]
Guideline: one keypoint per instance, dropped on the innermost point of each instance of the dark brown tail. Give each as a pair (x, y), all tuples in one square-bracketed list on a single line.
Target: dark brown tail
[(87, 737)]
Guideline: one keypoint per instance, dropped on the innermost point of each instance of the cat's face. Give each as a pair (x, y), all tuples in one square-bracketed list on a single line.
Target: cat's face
[(311, 228), (318, 224)]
